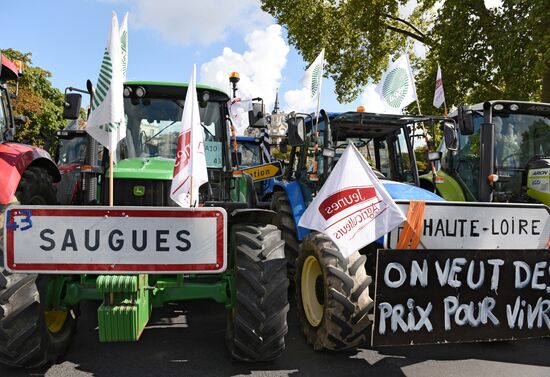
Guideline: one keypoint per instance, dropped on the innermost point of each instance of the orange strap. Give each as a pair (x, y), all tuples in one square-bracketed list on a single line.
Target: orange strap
[(412, 231)]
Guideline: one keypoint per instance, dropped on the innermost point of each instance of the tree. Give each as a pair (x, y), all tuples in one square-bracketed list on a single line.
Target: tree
[(484, 53), (41, 103)]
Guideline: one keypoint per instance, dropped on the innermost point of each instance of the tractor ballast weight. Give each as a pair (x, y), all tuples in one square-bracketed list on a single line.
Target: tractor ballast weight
[(244, 268)]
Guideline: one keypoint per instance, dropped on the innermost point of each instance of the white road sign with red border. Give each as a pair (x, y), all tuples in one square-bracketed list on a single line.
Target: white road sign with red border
[(465, 225), (48, 239)]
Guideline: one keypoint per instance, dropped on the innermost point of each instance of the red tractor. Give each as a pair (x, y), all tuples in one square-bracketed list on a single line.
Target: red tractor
[(27, 173)]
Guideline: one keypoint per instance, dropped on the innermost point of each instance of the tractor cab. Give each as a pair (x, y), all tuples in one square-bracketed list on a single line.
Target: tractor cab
[(514, 167), (388, 142), (8, 71)]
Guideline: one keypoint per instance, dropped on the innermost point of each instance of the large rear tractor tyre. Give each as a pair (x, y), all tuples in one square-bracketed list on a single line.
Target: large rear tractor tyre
[(257, 325), (30, 335), (284, 220), (36, 187), (332, 295)]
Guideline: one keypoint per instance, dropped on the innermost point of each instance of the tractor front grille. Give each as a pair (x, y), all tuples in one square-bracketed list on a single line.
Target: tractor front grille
[(141, 192)]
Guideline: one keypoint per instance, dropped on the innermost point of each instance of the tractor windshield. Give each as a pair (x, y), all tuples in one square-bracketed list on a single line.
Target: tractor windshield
[(153, 126), (519, 138), (249, 152), (388, 155)]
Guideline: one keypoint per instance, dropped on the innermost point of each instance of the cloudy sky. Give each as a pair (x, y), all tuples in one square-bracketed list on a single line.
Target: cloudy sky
[(166, 37)]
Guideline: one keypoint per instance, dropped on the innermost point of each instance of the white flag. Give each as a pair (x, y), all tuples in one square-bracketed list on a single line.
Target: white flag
[(439, 95), (353, 208), (312, 79), (397, 89), (124, 44), (106, 123), (238, 110), (190, 165)]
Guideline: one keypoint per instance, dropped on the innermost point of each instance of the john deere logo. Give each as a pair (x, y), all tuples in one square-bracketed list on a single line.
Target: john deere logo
[(139, 190), (396, 87)]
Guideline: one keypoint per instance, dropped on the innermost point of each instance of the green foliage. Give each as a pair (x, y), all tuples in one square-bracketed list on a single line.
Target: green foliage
[(499, 53), (38, 100)]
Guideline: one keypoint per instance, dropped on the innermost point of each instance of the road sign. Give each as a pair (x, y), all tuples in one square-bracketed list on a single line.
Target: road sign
[(445, 296), (265, 171), (63, 239), (460, 225)]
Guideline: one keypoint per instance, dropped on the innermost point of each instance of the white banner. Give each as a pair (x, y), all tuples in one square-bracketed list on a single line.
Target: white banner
[(353, 208), (238, 110), (124, 45), (439, 94), (397, 88), (313, 77), (190, 165), (106, 123)]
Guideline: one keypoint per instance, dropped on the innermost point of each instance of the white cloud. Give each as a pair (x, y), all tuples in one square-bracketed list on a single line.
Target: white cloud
[(260, 66), (493, 4), (300, 100), (204, 22)]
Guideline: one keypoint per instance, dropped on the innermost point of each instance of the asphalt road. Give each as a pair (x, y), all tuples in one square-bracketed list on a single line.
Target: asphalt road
[(187, 339)]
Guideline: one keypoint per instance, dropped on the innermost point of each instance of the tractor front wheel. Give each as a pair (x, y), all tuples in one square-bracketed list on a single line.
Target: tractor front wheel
[(256, 325), (332, 295)]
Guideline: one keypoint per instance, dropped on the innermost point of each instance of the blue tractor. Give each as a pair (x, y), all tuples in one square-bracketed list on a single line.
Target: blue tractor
[(332, 292)]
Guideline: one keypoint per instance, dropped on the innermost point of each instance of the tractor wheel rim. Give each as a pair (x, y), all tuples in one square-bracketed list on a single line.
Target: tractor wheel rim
[(55, 319), (311, 300)]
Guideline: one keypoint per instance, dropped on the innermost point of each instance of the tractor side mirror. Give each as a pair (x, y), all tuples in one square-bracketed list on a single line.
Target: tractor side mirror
[(451, 136), (465, 120), (71, 105), (256, 115), (296, 131)]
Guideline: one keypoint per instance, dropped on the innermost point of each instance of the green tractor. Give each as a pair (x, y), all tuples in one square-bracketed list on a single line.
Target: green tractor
[(224, 250), (500, 152)]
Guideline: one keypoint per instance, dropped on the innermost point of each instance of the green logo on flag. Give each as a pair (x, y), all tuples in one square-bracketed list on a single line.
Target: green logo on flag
[(124, 48), (315, 79), (396, 87), (103, 86)]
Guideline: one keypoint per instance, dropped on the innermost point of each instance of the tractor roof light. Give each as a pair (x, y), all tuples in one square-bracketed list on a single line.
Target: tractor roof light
[(140, 91), (234, 77), (514, 107), (127, 91), (19, 65), (360, 109), (498, 106)]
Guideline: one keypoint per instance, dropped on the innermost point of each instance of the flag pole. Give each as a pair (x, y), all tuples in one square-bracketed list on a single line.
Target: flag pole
[(111, 178)]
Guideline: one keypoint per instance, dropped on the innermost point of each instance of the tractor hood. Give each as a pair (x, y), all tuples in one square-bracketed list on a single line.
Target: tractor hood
[(145, 168), (402, 191)]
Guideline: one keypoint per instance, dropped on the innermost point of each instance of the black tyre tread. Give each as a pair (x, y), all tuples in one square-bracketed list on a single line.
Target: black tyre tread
[(257, 326), (285, 222), (345, 317), (24, 338), (36, 186)]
